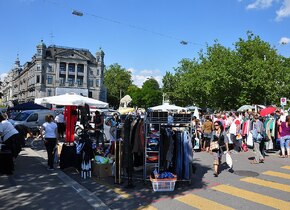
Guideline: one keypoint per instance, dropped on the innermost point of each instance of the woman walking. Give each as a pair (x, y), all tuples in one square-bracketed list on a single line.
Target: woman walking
[(207, 129), (219, 137), (258, 132), (50, 138), (285, 137)]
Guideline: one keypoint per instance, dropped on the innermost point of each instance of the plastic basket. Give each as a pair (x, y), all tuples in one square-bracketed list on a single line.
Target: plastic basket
[(160, 185)]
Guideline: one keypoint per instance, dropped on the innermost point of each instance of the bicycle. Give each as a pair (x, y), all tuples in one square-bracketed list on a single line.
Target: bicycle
[(37, 142)]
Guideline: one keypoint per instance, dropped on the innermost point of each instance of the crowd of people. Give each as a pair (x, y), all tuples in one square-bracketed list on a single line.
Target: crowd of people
[(219, 133)]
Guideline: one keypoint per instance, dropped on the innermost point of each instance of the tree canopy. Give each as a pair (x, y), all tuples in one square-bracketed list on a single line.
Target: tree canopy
[(224, 78), (117, 80)]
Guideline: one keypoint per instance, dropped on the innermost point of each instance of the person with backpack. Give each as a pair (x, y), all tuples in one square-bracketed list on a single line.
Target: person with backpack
[(257, 132)]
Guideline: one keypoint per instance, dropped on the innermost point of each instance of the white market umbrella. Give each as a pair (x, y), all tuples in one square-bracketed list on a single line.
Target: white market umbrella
[(167, 107), (192, 107), (71, 99), (245, 108)]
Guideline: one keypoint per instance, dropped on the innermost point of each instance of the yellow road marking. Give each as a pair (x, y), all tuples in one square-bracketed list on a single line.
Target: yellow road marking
[(254, 197), (147, 208), (201, 203), (286, 167), (277, 174), (274, 185)]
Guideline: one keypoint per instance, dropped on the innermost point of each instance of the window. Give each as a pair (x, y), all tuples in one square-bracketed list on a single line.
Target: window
[(91, 83), (37, 79), (70, 81), (98, 72), (91, 72), (61, 80), (49, 68), (80, 68), (97, 83), (49, 92), (71, 67), (49, 79), (33, 118), (62, 66), (90, 94), (38, 67), (80, 81)]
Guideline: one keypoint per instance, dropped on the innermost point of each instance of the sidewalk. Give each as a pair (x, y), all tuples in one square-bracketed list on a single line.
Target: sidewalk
[(32, 186)]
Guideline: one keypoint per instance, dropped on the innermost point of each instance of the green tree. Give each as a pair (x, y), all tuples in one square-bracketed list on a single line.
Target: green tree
[(151, 93), (136, 95), (117, 80), (224, 78)]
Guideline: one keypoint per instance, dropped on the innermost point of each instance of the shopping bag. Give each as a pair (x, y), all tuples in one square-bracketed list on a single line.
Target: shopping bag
[(229, 138), (214, 146), (229, 160), (250, 141), (56, 156), (196, 145), (244, 147)]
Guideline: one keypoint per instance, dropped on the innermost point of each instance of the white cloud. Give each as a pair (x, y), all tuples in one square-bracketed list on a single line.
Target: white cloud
[(260, 4), (284, 10), (140, 76), (284, 41), (2, 76)]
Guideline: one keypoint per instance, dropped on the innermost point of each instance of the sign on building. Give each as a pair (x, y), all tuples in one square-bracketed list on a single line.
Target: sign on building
[(283, 101)]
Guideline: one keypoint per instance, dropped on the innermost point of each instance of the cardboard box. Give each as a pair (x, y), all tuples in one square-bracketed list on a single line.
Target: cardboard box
[(101, 170)]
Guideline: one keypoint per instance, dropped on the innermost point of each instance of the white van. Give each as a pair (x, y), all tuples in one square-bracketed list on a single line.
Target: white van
[(32, 118)]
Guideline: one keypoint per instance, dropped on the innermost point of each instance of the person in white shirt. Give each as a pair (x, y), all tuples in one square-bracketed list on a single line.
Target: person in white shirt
[(9, 136), (59, 119), (50, 138), (235, 131)]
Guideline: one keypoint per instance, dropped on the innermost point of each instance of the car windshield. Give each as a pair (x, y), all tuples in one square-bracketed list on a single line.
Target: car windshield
[(22, 116)]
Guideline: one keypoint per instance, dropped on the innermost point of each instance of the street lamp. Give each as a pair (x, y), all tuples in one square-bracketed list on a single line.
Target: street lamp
[(77, 13)]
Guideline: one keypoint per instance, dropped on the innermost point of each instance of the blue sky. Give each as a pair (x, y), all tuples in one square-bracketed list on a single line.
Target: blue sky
[(142, 36)]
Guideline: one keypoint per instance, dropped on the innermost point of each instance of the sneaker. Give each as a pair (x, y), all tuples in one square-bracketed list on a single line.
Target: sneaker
[(231, 170)]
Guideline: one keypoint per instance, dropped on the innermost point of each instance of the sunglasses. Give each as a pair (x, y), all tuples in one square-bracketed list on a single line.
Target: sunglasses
[(216, 125)]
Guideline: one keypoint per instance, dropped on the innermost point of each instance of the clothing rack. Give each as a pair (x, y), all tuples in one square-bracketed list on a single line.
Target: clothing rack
[(154, 122)]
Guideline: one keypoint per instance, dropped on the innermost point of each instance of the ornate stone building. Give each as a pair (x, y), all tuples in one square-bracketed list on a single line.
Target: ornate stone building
[(56, 70)]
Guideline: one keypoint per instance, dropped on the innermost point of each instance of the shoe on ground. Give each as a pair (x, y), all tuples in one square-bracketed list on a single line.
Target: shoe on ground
[(231, 170), (215, 174)]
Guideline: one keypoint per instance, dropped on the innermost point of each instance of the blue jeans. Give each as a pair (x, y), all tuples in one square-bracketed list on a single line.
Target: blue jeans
[(284, 142)]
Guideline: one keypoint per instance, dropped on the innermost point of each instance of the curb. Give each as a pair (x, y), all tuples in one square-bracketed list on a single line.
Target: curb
[(93, 200)]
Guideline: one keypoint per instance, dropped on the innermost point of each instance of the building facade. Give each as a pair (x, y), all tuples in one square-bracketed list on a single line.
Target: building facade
[(55, 70)]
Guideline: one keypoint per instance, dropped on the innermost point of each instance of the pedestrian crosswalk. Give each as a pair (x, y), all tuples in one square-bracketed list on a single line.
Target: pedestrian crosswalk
[(262, 199), (277, 174)]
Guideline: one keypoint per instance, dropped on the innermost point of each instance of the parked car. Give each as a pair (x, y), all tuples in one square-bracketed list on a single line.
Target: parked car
[(32, 118)]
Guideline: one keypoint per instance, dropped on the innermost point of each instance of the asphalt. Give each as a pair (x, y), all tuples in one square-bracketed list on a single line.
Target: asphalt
[(32, 186)]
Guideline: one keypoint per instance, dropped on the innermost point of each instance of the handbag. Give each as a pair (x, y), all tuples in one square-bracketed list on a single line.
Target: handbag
[(229, 160), (214, 146)]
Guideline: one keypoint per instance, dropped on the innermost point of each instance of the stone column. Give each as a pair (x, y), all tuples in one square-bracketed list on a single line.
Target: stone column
[(85, 75), (76, 74), (66, 73), (57, 71)]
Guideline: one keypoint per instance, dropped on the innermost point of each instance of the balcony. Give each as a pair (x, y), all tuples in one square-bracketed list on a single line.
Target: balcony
[(81, 73), (62, 71)]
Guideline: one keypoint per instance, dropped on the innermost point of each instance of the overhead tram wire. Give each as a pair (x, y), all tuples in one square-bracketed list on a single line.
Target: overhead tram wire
[(80, 13), (181, 41)]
